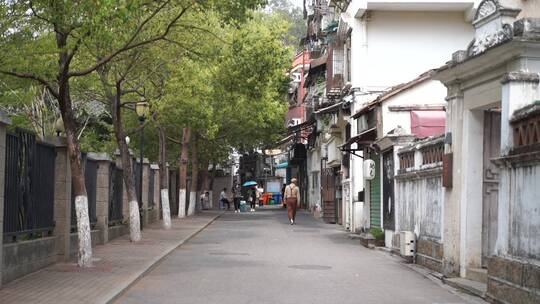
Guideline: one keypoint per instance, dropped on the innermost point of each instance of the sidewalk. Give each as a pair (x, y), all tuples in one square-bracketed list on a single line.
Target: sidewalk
[(118, 264)]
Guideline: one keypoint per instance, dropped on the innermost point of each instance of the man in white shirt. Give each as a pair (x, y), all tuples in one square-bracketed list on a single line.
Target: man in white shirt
[(292, 198)]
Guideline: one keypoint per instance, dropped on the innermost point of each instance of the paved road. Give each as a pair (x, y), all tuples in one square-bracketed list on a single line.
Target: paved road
[(259, 258)]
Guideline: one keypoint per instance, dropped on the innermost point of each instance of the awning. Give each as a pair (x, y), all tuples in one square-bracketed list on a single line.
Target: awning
[(302, 126), (282, 165), (330, 109), (365, 138)]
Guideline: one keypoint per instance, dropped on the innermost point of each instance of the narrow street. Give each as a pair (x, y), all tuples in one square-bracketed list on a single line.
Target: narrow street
[(260, 258)]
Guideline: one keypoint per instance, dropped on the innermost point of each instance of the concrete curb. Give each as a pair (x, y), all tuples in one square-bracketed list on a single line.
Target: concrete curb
[(114, 295)]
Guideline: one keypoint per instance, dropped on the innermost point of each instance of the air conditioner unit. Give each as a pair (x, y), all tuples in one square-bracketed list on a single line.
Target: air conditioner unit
[(407, 241)]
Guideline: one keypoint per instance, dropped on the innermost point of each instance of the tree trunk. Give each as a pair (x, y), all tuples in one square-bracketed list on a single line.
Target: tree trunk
[(211, 185), (183, 167), (194, 177), (77, 181), (163, 179), (129, 180), (74, 151)]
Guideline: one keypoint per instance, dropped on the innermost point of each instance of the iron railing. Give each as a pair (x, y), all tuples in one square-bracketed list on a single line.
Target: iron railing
[(151, 175), (29, 185), (116, 196)]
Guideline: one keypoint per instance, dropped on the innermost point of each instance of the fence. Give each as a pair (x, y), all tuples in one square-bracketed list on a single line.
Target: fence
[(29, 185), (116, 195), (151, 176)]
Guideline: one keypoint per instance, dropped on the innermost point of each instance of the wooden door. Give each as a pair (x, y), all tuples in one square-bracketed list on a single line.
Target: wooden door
[(338, 196), (375, 194), (490, 183), (328, 195), (388, 203)]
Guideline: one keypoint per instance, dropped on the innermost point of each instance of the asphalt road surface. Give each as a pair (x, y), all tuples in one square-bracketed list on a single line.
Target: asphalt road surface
[(260, 258)]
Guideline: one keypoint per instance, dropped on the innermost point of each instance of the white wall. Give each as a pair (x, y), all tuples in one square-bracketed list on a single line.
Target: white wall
[(402, 45), (426, 93)]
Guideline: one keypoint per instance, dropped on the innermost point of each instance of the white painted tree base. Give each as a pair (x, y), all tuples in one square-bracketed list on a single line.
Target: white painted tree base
[(166, 209), (192, 202), (83, 231), (182, 203), (134, 222)]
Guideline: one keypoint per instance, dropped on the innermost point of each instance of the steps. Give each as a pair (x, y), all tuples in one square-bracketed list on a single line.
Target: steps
[(472, 287), (477, 274)]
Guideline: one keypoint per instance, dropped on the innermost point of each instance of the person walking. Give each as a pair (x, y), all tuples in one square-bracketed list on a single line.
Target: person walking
[(237, 196), (292, 198), (252, 197)]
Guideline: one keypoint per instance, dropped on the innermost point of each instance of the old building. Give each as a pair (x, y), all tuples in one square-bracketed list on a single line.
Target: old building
[(491, 214)]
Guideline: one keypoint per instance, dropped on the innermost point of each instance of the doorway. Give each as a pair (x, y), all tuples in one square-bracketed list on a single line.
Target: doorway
[(490, 182)]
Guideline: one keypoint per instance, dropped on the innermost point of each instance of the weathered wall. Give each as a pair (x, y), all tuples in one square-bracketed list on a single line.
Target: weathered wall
[(24, 257), (521, 187), (419, 203)]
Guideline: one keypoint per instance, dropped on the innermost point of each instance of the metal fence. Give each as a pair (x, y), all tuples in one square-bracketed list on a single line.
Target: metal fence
[(173, 191), (29, 185), (90, 181), (151, 176), (116, 195), (137, 178)]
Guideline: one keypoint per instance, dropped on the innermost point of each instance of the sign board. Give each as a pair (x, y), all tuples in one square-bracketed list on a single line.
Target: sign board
[(369, 169), (273, 186)]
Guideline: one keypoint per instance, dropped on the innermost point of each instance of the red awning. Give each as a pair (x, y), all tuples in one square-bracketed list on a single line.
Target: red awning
[(427, 123)]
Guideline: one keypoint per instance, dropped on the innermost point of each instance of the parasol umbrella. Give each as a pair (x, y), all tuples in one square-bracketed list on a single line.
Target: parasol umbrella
[(249, 183)]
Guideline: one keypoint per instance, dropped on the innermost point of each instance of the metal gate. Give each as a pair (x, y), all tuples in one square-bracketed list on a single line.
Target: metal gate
[(328, 196), (375, 194), (29, 185)]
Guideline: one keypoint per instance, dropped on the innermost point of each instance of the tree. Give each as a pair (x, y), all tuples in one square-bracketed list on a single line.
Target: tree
[(49, 37)]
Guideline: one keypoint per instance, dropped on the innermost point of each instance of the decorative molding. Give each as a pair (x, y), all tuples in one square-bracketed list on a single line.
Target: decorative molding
[(479, 46), (520, 76), (486, 9)]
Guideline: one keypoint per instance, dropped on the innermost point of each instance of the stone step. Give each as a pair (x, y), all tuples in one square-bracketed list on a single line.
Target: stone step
[(469, 286), (477, 274)]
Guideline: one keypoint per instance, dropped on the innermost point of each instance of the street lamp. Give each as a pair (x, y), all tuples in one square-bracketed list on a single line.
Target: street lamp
[(141, 108)]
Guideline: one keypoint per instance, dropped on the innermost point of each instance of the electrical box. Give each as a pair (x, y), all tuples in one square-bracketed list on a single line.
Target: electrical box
[(407, 241)]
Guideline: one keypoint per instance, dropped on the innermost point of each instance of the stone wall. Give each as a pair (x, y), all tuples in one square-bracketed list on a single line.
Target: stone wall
[(513, 281), (24, 257)]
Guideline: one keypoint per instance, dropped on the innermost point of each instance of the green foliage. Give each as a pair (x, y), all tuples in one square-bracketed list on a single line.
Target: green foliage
[(377, 233), (220, 69)]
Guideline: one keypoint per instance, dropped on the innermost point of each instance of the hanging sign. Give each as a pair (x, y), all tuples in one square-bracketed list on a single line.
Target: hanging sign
[(369, 169)]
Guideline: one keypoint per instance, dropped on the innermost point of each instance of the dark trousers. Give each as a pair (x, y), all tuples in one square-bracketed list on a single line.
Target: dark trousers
[(291, 208), (226, 201), (252, 204), (236, 203)]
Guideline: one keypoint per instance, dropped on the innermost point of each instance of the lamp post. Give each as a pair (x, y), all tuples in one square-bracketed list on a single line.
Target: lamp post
[(141, 108)]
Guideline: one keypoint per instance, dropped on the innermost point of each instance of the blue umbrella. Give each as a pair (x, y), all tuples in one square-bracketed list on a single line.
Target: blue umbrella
[(249, 183)]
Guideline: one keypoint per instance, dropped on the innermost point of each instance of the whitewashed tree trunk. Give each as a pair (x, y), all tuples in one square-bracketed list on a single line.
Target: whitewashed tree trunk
[(182, 203), (192, 202), (83, 231), (134, 222), (165, 208)]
